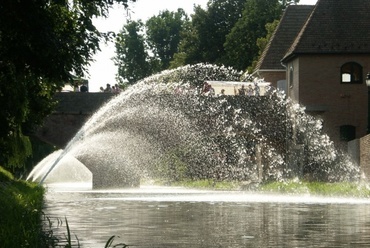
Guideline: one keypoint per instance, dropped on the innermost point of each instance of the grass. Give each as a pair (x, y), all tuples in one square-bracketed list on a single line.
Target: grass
[(338, 189), (21, 221), (207, 184), (21, 210)]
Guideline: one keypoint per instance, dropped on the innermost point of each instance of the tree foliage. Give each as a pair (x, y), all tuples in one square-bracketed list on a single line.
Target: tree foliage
[(164, 34), (41, 43), (145, 49), (241, 43), (263, 41), (227, 32), (204, 38), (132, 57)]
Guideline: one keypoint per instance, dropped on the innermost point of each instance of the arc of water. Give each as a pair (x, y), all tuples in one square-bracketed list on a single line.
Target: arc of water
[(294, 118), (77, 137), (62, 154), (52, 167)]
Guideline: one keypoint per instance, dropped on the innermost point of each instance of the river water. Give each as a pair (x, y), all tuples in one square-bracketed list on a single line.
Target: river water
[(177, 217)]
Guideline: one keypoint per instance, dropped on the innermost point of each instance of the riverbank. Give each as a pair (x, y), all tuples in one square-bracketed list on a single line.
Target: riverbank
[(22, 218), (21, 212)]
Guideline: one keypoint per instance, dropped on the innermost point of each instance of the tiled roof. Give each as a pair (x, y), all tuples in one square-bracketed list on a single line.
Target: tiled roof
[(290, 24), (335, 27)]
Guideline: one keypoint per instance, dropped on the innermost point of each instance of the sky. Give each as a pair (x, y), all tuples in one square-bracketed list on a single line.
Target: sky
[(102, 70)]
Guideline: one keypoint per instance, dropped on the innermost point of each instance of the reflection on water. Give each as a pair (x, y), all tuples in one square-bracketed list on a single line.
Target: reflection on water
[(176, 217)]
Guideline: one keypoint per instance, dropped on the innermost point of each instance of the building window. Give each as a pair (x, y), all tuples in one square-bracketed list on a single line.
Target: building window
[(347, 133), (291, 75), (351, 72)]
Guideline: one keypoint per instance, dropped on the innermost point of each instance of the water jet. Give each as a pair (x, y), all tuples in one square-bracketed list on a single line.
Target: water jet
[(164, 127)]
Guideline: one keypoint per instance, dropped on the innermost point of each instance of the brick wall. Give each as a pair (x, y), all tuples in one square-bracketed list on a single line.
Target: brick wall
[(319, 88), (359, 151), (272, 76)]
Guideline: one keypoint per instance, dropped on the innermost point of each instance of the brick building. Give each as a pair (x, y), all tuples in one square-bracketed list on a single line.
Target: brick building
[(320, 56)]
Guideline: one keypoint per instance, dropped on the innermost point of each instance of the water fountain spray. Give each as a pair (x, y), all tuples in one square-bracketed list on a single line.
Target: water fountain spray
[(165, 127)]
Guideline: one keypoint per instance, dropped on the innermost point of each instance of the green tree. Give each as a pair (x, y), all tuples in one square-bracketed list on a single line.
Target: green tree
[(263, 41), (164, 34), (270, 28), (189, 51), (241, 43), (41, 43), (205, 37), (132, 57)]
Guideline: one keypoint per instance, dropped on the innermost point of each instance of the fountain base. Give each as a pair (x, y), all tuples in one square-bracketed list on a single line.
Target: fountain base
[(114, 179)]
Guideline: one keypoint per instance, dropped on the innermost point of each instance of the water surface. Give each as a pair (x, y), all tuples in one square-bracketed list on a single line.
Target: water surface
[(178, 217)]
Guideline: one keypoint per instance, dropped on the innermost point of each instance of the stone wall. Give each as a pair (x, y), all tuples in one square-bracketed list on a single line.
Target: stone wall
[(80, 103), (72, 111)]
